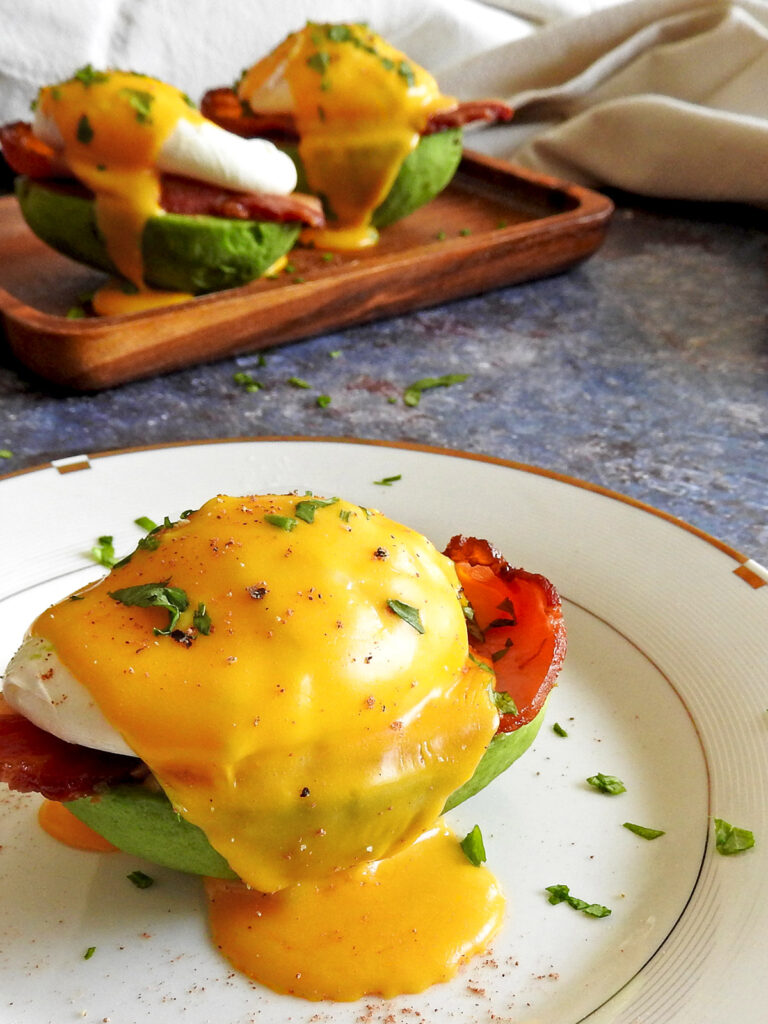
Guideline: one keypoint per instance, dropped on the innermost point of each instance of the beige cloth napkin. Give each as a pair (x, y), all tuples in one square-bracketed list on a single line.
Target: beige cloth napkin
[(662, 97)]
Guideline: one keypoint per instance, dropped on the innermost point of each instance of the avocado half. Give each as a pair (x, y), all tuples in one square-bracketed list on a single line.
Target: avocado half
[(142, 821), (181, 253), (424, 173)]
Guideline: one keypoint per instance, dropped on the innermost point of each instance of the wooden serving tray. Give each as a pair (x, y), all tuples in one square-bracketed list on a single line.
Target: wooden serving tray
[(495, 225)]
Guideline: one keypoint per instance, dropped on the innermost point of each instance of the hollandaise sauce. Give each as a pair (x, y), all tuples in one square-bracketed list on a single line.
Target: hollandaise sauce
[(360, 106), (296, 674), (112, 126)]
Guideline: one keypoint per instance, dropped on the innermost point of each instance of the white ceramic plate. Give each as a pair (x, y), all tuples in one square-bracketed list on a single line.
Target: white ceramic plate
[(665, 685)]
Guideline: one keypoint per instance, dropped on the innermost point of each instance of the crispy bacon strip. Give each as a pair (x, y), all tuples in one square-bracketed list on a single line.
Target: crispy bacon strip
[(226, 108), (34, 761), (518, 625), (184, 195), (26, 154)]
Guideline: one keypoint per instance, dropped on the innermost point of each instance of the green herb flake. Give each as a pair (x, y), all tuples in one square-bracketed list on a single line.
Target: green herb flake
[(344, 514), (286, 523), (562, 894), (6, 453), (76, 313), (305, 509), (473, 846), (140, 880), (299, 382), (607, 784), (643, 831), (729, 839), (326, 257), (407, 613), (558, 730), (201, 620), (504, 702), (482, 665), (323, 401), (412, 394), (141, 103), (339, 33), (247, 382), (89, 76), (145, 523), (441, 236), (154, 595), (84, 132), (103, 551), (464, 232), (387, 481), (405, 71), (319, 61), (89, 953)]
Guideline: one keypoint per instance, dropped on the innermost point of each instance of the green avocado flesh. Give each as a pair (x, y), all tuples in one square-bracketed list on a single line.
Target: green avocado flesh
[(424, 173), (142, 822), (181, 253)]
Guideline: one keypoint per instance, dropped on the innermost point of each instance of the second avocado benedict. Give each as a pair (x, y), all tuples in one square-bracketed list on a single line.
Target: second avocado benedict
[(371, 131), (122, 172)]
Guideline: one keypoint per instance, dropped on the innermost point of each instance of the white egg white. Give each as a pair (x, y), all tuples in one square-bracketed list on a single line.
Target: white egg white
[(208, 153), (40, 687)]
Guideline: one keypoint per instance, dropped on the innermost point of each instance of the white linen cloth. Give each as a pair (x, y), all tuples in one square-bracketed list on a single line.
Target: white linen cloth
[(662, 97)]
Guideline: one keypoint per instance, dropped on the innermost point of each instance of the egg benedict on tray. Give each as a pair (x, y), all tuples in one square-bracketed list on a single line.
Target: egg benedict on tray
[(370, 130), (283, 694), (122, 172)]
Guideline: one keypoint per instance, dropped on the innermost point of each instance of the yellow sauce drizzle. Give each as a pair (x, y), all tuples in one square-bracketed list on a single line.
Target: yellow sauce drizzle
[(389, 928)]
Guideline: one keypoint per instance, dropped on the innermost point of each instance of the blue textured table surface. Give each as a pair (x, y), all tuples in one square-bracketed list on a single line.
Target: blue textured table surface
[(645, 370)]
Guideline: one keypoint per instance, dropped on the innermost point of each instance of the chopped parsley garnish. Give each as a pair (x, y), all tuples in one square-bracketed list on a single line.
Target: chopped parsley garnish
[(339, 33), (84, 131), (607, 784), (246, 381), (306, 508), (141, 101), (504, 702), (344, 514), (337, 351), (464, 232), (407, 613), (89, 76), (299, 382), (319, 61), (103, 552), (76, 313), (562, 894), (440, 236), (412, 394), (481, 664), (154, 595), (559, 730), (140, 880), (201, 620), (643, 831), (387, 481), (6, 453), (146, 523), (498, 655), (473, 846), (729, 839), (323, 401), (405, 71), (284, 522), (89, 953)]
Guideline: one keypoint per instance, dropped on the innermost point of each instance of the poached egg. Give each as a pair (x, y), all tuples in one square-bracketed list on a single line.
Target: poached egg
[(310, 705)]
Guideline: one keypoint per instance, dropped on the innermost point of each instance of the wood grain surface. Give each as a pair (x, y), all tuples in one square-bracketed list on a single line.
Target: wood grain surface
[(495, 225)]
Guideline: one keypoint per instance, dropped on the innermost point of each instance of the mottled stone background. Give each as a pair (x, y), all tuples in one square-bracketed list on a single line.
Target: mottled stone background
[(645, 370)]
